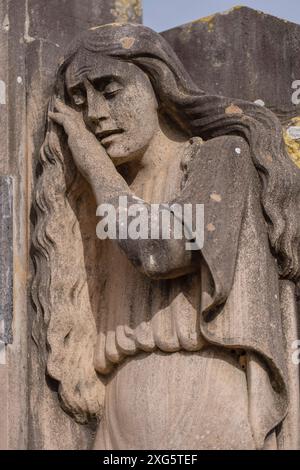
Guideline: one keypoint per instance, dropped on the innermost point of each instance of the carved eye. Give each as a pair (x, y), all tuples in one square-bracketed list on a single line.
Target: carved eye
[(79, 97), (112, 89)]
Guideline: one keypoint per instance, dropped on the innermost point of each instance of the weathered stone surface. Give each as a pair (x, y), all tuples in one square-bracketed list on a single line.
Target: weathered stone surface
[(242, 53), (14, 162), (55, 21), (6, 259)]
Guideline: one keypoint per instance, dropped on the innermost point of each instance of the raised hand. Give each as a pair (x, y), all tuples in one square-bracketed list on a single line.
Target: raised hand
[(89, 155), (87, 151)]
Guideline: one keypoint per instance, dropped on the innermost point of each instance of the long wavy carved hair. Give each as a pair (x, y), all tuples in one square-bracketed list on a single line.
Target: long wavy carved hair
[(60, 289)]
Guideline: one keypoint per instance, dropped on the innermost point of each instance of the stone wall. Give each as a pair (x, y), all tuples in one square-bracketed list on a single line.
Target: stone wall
[(244, 53), (33, 35)]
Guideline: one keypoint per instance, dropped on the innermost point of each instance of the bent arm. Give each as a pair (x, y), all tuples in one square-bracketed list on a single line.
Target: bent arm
[(159, 258), (218, 177), (160, 247)]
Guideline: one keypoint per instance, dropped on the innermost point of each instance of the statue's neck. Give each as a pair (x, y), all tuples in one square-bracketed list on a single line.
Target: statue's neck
[(165, 149)]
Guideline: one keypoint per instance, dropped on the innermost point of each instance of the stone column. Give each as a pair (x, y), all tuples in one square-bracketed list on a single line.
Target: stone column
[(33, 35)]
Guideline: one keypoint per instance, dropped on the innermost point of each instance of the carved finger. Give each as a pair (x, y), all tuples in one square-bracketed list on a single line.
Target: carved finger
[(63, 108), (57, 117)]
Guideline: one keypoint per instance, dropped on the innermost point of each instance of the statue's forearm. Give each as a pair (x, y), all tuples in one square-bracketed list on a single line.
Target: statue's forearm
[(158, 257), (97, 168), (107, 184), (155, 249)]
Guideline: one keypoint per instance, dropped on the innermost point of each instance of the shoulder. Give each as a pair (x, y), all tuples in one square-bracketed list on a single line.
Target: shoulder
[(222, 162), (220, 153), (229, 145), (227, 140)]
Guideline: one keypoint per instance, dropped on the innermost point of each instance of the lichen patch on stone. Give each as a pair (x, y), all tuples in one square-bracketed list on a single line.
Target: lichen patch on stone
[(209, 20), (230, 10), (127, 42), (127, 10), (233, 109), (292, 144), (210, 227), (216, 197)]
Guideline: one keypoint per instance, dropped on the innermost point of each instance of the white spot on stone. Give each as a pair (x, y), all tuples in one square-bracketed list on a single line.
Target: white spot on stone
[(19, 80), (238, 151), (5, 23), (2, 92), (151, 260), (294, 132), (259, 102)]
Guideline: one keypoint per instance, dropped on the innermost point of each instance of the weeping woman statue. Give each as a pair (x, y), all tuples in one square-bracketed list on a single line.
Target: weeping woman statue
[(169, 348)]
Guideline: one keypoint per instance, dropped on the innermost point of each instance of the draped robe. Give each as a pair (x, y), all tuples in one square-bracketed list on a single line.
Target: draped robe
[(227, 328)]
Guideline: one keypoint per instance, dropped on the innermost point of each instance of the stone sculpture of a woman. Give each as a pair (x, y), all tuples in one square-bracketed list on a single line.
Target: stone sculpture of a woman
[(170, 348)]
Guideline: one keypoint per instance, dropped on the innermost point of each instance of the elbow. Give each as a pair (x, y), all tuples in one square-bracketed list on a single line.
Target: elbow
[(158, 259), (165, 267), (155, 269)]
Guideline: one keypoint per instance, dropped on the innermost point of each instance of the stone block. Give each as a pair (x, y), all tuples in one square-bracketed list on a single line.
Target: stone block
[(242, 53)]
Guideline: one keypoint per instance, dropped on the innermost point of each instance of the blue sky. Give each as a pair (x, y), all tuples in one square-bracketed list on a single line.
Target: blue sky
[(165, 14)]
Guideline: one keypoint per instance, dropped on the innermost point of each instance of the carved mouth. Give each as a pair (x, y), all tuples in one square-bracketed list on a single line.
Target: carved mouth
[(105, 136)]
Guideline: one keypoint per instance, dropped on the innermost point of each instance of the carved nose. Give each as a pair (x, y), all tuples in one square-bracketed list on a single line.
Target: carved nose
[(98, 109)]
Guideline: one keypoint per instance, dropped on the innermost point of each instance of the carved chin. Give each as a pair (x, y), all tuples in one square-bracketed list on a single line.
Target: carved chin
[(121, 154), (116, 151)]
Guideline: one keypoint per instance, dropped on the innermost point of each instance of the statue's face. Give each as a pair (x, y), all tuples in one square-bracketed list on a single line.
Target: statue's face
[(118, 104)]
